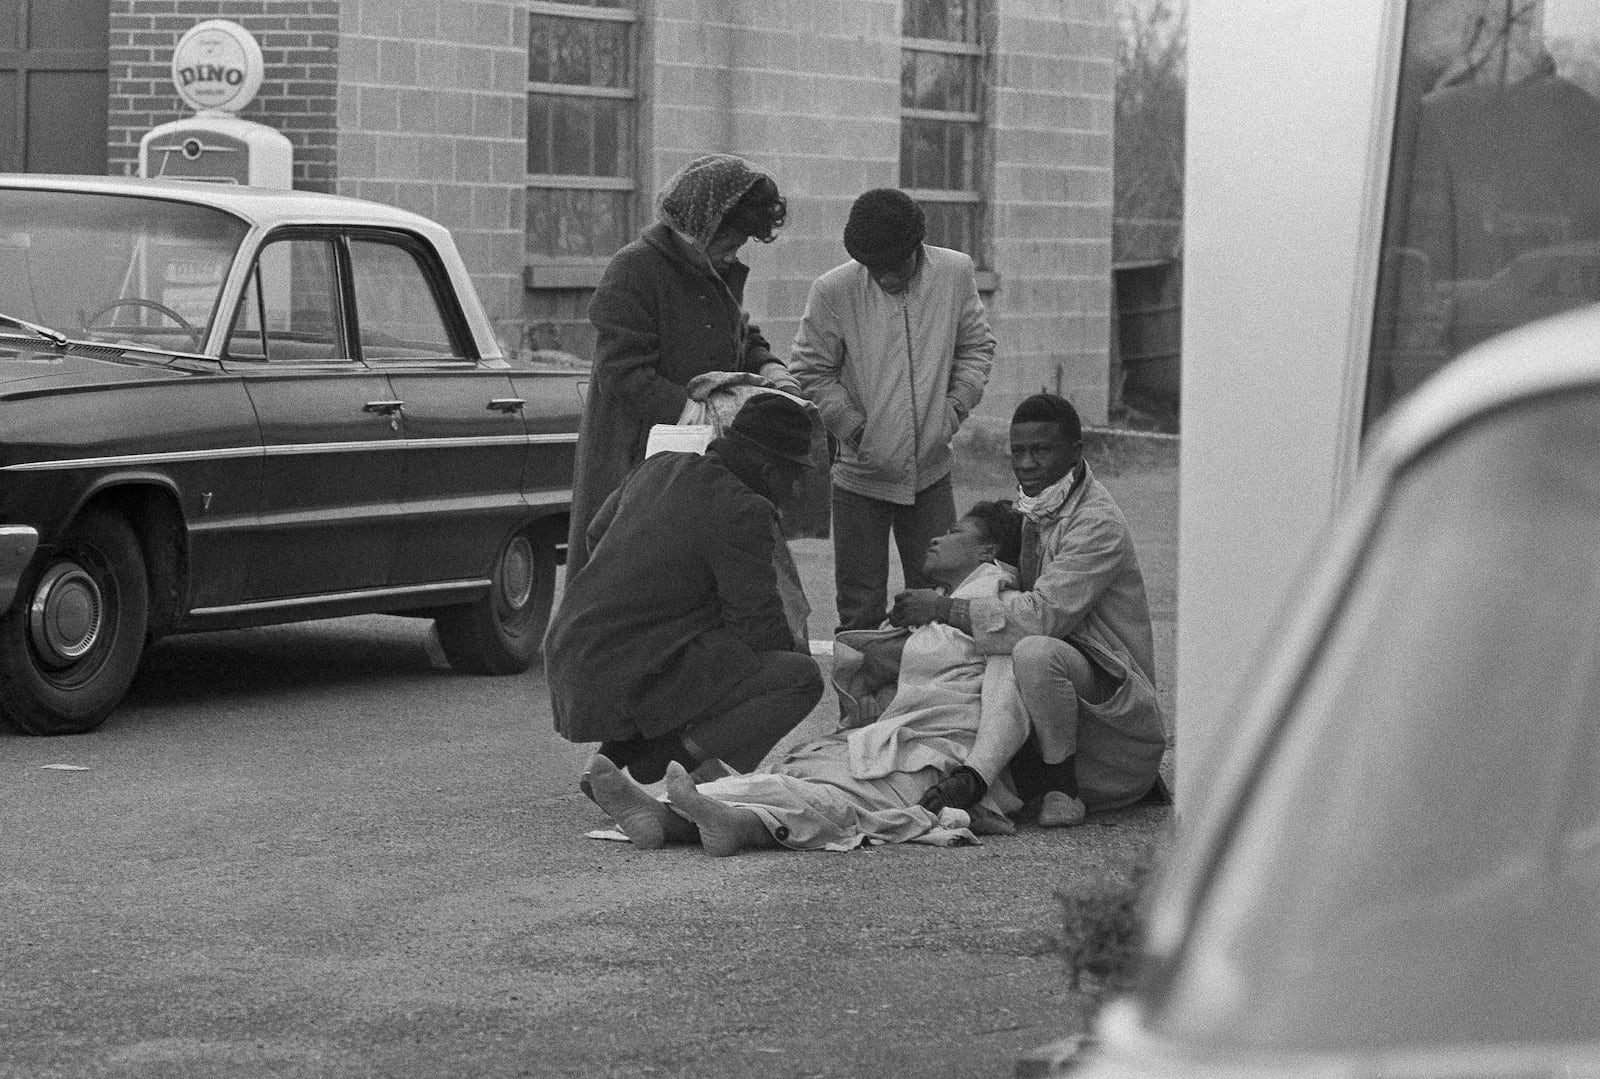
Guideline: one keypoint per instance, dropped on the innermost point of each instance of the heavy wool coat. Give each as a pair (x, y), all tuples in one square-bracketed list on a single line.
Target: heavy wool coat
[(661, 319), (678, 596)]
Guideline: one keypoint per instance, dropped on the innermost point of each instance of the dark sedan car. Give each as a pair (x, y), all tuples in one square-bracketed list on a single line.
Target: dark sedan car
[(225, 407)]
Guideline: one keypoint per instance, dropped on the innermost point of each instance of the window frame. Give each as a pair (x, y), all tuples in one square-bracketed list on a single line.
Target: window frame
[(566, 271), (340, 238), (438, 282), (331, 236), (975, 199)]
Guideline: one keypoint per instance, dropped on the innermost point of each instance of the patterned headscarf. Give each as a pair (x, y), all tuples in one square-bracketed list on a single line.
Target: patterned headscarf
[(701, 193)]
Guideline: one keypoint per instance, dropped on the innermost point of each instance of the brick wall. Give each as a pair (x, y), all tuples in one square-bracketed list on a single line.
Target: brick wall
[(299, 44), (432, 118), (1052, 117)]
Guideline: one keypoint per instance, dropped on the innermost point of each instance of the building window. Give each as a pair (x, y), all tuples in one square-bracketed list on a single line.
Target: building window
[(582, 119), (941, 119)]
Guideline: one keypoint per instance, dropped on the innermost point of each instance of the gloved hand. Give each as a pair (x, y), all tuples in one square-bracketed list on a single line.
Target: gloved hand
[(962, 788)]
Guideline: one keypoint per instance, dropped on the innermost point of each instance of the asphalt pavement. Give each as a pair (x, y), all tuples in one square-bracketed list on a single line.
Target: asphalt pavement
[(311, 851)]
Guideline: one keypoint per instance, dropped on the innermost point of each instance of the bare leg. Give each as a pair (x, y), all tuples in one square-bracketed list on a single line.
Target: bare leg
[(646, 821), (724, 829)]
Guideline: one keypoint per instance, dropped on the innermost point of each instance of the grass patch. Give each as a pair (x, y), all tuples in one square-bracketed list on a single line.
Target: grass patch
[(1102, 927)]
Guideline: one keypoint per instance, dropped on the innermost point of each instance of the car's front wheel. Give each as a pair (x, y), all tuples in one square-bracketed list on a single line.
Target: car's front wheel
[(71, 642), (501, 632)]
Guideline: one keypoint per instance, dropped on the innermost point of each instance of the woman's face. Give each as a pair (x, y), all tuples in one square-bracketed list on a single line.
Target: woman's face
[(724, 245), (952, 556)]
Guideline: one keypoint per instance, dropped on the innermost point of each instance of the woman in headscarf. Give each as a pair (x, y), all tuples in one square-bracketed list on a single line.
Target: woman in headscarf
[(670, 307)]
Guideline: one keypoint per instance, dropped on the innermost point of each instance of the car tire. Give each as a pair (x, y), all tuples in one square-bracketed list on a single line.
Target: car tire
[(72, 641), (501, 633)]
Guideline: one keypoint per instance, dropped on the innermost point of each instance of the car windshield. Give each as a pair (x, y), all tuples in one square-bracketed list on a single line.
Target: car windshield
[(115, 268), (1419, 861)]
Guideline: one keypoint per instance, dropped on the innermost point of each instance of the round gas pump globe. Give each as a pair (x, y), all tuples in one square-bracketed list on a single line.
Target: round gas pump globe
[(217, 65)]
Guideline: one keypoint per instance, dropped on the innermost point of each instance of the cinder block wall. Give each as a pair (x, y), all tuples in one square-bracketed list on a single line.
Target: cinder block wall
[(1052, 130), (809, 89), (432, 117), (300, 47)]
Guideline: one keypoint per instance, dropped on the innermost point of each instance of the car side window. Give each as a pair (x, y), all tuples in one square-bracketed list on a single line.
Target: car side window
[(290, 311), (397, 308)]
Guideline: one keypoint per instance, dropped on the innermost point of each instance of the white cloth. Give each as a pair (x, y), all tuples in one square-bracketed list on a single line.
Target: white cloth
[(862, 784)]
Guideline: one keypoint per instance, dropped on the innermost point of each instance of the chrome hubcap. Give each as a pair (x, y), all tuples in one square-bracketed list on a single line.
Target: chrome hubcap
[(516, 573), (67, 614)]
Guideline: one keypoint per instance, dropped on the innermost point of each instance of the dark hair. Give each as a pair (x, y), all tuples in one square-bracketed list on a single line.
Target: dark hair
[(760, 211), (1049, 408), (885, 227), (1002, 526)]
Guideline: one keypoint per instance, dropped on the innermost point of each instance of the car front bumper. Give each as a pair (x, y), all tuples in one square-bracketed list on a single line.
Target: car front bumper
[(17, 544)]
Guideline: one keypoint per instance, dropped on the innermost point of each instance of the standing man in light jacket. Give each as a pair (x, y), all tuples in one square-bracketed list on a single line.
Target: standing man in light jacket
[(894, 348)]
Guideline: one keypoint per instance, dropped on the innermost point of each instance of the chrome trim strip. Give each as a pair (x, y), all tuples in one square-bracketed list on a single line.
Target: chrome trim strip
[(122, 459), (174, 456), (293, 602)]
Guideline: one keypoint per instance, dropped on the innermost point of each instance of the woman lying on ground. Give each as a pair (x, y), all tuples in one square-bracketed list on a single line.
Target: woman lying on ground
[(886, 781)]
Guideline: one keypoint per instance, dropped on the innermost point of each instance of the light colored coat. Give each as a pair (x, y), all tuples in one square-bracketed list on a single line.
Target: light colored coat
[(1091, 593), (904, 370), (950, 705)]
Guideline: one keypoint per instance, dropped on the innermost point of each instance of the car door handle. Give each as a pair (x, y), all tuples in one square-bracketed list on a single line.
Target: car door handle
[(383, 408), (506, 404)]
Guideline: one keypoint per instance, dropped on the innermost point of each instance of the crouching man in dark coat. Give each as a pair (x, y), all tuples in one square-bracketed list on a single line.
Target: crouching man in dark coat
[(670, 642)]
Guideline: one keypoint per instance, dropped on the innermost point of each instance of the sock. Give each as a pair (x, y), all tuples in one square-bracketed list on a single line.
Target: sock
[(646, 759), (1063, 776)]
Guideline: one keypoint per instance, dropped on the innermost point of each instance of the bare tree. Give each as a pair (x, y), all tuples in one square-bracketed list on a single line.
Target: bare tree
[(1148, 164)]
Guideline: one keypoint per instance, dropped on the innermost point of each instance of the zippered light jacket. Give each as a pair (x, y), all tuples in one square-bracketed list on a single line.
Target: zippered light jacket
[(905, 370)]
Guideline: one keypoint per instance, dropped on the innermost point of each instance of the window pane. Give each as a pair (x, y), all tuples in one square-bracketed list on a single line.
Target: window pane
[(938, 154), (299, 292), (572, 136), (578, 52), (579, 136), (540, 156), (948, 20), (396, 307), (931, 80), (1493, 214), (952, 224), (577, 224)]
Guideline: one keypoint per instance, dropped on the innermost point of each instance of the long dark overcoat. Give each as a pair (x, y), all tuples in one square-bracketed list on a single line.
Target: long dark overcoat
[(676, 600), (660, 320)]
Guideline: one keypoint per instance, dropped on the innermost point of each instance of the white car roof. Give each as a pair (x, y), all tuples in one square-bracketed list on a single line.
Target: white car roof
[(263, 206), (1555, 354)]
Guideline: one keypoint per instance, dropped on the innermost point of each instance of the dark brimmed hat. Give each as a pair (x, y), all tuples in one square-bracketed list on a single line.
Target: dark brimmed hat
[(773, 424), (886, 225)]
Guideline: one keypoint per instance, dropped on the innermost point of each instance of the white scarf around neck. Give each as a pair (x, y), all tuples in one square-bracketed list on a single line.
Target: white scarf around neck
[(1048, 502)]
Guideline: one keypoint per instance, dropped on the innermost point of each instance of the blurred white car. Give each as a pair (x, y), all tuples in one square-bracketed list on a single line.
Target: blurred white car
[(1396, 869)]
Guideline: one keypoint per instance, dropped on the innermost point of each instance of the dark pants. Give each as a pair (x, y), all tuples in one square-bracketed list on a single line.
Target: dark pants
[(746, 722), (861, 528)]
